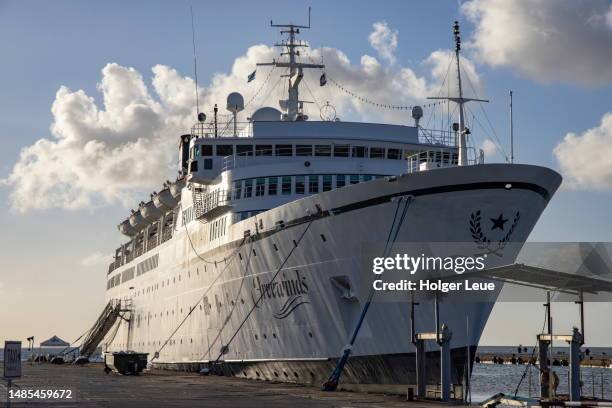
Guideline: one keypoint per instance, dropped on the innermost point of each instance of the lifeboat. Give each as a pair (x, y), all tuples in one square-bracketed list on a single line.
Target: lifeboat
[(164, 200), (149, 212), (176, 188), (126, 229), (137, 221)]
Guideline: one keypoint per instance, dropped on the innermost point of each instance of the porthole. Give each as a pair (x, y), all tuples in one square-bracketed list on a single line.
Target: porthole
[(285, 373), (275, 374)]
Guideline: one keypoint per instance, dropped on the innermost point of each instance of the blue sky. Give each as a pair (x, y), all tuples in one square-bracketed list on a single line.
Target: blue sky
[(67, 43)]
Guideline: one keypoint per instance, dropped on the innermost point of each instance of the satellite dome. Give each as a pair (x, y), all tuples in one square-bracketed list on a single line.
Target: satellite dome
[(235, 102), (266, 114)]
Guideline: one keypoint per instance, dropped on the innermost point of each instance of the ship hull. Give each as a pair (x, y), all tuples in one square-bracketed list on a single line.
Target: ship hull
[(208, 291)]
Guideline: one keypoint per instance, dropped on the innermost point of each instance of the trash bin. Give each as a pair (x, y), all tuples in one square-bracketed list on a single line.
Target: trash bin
[(126, 362)]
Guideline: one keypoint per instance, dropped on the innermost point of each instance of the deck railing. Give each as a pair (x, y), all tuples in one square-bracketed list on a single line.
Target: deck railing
[(442, 157)]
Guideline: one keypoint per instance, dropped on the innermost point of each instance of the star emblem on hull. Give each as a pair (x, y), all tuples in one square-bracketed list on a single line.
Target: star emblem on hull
[(498, 222)]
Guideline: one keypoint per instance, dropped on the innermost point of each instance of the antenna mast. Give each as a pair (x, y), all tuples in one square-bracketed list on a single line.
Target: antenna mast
[(511, 132), (195, 63), (292, 105), (460, 100)]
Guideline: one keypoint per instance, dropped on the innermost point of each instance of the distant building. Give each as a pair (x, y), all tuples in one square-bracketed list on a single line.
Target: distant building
[(54, 342)]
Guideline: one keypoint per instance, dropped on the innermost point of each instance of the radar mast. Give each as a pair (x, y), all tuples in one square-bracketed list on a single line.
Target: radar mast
[(292, 106), (460, 100)]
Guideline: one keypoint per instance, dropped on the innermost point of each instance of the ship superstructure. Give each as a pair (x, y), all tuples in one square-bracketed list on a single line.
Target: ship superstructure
[(250, 259)]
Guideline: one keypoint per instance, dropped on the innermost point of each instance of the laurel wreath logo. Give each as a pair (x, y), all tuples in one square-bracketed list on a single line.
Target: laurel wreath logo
[(484, 243)]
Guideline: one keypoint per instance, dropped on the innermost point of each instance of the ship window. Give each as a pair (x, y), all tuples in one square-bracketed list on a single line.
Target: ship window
[(327, 183), (272, 185), (340, 181), (367, 177), (284, 150), (377, 153), (303, 150), (322, 150), (260, 187), (360, 151), (354, 179), (313, 184), (206, 150), (341, 150), (287, 185), (237, 190), (248, 188), (299, 184), (196, 151), (193, 166), (244, 150), (225, 150), (263, 150), (394, 154)]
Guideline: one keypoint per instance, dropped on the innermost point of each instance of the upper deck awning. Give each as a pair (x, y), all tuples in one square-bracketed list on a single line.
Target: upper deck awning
[(542, 278)]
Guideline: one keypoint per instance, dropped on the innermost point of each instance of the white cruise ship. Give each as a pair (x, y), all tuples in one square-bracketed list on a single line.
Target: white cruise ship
[(250, 259)]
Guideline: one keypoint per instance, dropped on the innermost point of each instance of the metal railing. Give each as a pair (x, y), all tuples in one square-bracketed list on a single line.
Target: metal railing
[(204, 203), (442, 157), (222, 129), (437, 137)]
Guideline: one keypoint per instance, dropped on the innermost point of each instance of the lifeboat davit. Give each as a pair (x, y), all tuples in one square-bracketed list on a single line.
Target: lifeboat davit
[(149, 212), (137, 221), (126, 229), (164, 200)]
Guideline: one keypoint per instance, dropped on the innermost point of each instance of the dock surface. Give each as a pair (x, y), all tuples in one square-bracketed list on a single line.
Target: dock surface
[(93, 388)]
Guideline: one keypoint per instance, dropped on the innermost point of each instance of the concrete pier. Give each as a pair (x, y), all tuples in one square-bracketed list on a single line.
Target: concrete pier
[(92, 388)]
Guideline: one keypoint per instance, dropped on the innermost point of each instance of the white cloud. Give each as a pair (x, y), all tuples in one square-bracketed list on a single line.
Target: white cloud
[(488, 147), (586, 158), (566, 41), (384, 40), (96, 259), (120, 148)]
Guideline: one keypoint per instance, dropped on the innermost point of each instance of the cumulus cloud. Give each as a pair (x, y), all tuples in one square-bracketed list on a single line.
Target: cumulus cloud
[(489, 147), (96, 259), (586, 158), (120, 147), (565, 41), (384, 40)]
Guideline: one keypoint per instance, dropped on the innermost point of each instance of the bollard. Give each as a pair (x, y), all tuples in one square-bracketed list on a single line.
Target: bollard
[(445, 364), (421, 371)]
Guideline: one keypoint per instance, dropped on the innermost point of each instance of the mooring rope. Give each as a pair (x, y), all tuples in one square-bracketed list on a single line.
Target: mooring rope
[(332, 383), (192, 308), (255, 305)]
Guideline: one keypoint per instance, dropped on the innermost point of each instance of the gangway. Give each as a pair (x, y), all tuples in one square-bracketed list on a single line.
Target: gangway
[(108, 317)]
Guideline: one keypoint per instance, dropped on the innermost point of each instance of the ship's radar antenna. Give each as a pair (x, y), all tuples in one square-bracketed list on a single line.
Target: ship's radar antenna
[(292, 106), (235, 104), (417, 114)]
